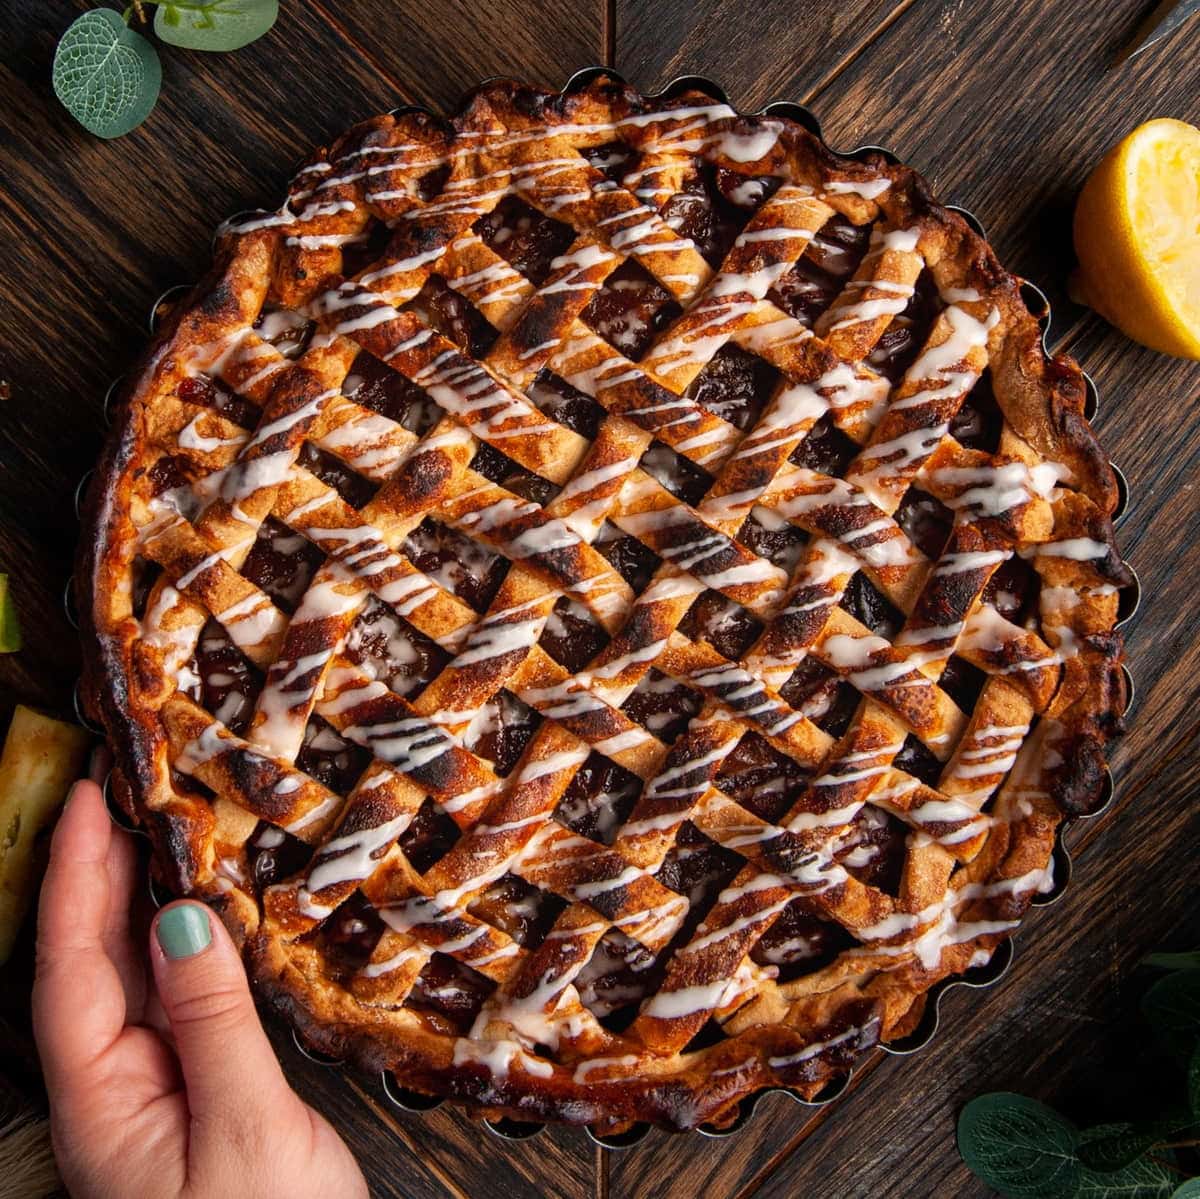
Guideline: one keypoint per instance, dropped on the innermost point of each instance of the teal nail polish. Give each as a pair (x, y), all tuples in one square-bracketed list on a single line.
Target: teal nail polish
[(183, 931)]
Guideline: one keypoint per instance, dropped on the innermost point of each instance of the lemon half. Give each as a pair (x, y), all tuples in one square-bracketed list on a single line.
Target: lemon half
[(1137, 234)]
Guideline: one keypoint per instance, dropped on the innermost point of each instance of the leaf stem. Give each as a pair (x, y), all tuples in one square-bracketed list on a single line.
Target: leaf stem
[(1162, 1161)]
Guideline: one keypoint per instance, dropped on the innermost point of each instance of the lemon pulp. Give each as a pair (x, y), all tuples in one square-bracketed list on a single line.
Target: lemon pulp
[(1137, 234)]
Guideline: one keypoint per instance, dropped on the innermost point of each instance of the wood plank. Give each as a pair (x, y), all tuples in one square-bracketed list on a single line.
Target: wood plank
[(1006, 122), (438, 51), (108, 226), (1024, 193), (772, 50), (115, 224)]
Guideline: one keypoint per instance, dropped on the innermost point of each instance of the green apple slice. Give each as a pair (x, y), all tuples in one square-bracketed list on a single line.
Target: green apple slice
[(10, 632)]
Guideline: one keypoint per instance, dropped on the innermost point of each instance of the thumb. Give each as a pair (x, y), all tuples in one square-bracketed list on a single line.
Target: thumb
[(229, 1068)]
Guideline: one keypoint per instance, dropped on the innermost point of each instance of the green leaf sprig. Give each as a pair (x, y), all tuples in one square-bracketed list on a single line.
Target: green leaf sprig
[(108, 75), (1027, 1150)]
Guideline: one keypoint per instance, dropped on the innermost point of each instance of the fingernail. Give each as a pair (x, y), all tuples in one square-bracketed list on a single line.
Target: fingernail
[(183, 931)]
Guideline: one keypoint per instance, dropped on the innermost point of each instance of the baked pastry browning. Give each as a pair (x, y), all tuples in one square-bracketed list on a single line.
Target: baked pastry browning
[(610, 600)]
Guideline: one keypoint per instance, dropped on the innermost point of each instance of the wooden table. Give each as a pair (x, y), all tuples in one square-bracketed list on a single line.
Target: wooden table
[(1004, 104)]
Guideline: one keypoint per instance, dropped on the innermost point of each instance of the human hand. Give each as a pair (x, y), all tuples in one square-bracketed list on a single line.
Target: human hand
[(165, 1085)]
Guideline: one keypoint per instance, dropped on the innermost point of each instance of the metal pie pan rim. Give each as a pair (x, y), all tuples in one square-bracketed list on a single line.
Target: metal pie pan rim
[(508, 1129), (988, 974)]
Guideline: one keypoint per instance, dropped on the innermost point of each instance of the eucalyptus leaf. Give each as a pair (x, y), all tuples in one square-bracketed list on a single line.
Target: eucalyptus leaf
[(1111, 1147), (105, 74), (1172, 1006), (1019, 1146), (1187, 1190), (1145, 1178), (214, 24), (1174, 961)]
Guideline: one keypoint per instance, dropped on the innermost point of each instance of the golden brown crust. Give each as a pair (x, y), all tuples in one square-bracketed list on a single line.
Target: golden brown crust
[(467, 262)]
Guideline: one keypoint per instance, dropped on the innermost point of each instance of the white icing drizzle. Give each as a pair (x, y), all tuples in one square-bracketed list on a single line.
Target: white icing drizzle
[(601, 886), (867, 189), (499, 1057), (995, 490), (190, 438), (623, 1062), (209, 744), (939, 924), (352, 856), (939, 364), (1078, 549), (817, 1048)]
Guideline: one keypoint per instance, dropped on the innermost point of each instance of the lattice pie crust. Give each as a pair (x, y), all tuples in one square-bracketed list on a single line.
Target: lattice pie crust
[(608, 599)]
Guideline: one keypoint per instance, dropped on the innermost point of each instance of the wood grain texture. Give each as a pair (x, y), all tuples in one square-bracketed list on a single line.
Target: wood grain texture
[(107, 227), (1018, 165), (770, 50), (439, 51), (1004, 105)]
